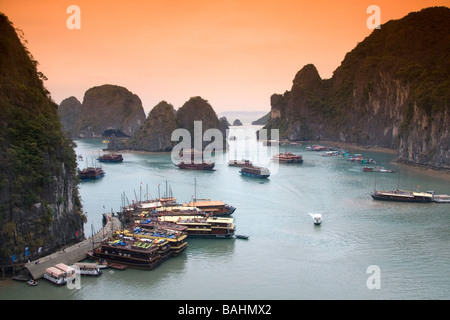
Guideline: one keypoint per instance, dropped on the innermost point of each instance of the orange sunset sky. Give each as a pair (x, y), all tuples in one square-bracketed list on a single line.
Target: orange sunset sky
[(233, 53)]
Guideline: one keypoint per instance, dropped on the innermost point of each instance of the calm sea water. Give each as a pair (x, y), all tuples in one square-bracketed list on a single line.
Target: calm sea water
[(286, 256)]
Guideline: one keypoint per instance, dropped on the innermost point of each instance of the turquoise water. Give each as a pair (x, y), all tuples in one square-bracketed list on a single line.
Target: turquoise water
[(286, 256)]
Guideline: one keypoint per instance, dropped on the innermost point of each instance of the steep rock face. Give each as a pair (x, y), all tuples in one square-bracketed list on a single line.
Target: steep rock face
[(39, 202), (109, 107), (391, 91), (154, 134), (199, 109), (262, 121), (224, 124), (69, 112)]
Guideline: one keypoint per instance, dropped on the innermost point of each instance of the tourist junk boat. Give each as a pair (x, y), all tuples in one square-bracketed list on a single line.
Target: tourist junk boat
[(288, 157), (88, 269), (378, 169), (175, 239), (255, 171), (161, 243), (179, 210), (360, 159), (91, 173), (196, 166), (402, 196), (209, 207), (135, 254), (195, 163), (204, 227), (110, 157), (239, 163)]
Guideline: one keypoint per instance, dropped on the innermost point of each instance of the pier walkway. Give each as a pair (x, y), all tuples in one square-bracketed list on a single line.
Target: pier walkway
[(72, 254)]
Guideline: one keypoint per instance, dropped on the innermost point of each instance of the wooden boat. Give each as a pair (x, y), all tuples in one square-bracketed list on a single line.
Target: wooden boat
[(333, 153), (211, 208), (117, 266), (88, 269), (134, 254), (180, 210), (32, 282), (359, 158), (175, 239), (154, 223), (203, 227), (195, 161), (377, 169), (110, 157), (196, 166), (239, 163), (383, 170), (91, 173), (402, 196), (255, 171), (441, 198), (288, 157), (316, 147)]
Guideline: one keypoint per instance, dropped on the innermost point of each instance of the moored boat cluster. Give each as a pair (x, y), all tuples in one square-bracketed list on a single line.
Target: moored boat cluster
[(157, 229)]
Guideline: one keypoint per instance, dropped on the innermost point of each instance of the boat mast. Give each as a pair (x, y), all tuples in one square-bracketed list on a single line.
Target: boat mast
[(167, 191)]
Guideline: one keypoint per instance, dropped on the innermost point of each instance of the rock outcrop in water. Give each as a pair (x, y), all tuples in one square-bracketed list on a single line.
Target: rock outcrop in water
[(237, 122), (69, 112), (154, 134), (199, 109), (163, 120), (106, 108), (392, 91), (40, 210)]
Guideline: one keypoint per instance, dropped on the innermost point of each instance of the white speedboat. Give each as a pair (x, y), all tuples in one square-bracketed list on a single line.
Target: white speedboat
[(317, 218)]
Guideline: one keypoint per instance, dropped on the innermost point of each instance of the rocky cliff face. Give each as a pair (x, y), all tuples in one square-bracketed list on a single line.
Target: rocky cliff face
[(392, 90), (107, 108), (199, 109), (69, 111), (156, 133), (39, 204)]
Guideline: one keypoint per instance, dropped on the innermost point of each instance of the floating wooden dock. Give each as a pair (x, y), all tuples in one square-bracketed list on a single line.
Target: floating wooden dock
[(74, 253)]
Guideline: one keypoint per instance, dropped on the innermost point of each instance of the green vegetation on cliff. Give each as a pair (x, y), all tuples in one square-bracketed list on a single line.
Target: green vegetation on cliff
[(36, 159), (156, 132), (392, 90)]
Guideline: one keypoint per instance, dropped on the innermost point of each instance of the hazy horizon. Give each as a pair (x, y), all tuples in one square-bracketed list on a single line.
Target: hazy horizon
[(234, 53)]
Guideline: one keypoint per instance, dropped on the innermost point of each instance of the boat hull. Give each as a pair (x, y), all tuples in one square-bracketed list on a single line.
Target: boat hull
[(253, 175), (194, 166), (123, 260), (416, 199), (211, 236)]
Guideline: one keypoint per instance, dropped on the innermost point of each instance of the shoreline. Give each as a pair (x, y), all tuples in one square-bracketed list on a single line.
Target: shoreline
[(423, 169), (443, 173)]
